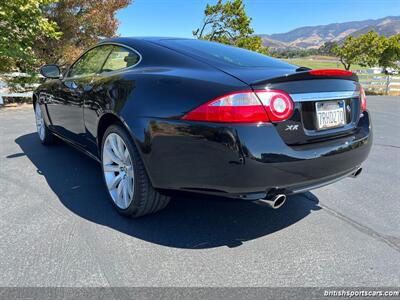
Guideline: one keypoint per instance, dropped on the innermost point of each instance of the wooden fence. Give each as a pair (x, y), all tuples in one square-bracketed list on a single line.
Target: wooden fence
[(6, 92), (18, 95), (380, 84)]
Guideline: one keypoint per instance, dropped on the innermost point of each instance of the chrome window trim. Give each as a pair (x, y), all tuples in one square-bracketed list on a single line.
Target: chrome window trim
[(123, 46), (99, 45), (320, 96)]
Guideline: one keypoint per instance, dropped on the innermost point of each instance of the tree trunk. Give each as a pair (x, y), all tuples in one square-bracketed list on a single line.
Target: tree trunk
[(346, 66)]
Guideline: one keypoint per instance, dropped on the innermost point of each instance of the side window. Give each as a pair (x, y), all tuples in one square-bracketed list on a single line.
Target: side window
[(90, 63), (120, 58)]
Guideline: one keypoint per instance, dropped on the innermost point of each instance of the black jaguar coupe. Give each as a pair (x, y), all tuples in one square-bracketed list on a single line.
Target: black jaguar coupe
[(167, 115)]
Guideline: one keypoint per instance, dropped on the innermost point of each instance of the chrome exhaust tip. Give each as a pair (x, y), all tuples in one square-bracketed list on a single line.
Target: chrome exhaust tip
[(276, 201), (356, 173)]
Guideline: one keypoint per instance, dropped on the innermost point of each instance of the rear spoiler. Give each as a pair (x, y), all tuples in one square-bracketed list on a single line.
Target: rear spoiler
[(304, 74)]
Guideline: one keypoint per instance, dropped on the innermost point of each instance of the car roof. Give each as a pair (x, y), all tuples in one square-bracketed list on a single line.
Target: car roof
[(129, 40)]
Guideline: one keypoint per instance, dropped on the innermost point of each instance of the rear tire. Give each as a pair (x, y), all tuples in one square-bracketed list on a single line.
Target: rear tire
[(125, 176), (45, 135)]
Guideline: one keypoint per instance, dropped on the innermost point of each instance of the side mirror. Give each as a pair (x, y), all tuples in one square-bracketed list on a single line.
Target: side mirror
[(51, 71)]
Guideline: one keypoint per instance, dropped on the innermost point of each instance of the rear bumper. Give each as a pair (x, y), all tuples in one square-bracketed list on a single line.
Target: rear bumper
[(244, 161)]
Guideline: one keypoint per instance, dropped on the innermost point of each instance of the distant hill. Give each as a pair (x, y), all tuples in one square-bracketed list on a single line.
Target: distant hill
[(316, 36)]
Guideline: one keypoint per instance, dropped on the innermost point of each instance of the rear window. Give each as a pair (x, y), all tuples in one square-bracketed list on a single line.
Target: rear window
[(120, 58), (220, 53)]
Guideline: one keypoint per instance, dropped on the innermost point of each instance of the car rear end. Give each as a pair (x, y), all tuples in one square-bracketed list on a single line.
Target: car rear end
[(291, 131), (323, 135), (328, 135)]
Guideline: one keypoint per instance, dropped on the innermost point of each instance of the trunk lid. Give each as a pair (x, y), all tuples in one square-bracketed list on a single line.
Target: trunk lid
[(307, 90)]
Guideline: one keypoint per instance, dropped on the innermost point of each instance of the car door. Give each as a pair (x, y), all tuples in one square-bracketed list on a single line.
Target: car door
[(66, 109), (110, 89)]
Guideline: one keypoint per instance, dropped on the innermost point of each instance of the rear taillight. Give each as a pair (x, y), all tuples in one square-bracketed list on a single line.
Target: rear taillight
[(245, 107), (330, 72), (240, 107), (278, 104), (363, 99)]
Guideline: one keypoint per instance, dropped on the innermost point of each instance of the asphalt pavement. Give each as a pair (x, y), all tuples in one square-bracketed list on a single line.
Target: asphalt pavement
[(57, 227)]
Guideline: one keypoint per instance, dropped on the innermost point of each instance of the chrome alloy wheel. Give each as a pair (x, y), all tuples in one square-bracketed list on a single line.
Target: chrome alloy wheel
[(40, 126), (118, 170)]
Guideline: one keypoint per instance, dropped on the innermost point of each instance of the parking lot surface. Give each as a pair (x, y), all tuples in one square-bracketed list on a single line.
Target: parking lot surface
[(57, 227)]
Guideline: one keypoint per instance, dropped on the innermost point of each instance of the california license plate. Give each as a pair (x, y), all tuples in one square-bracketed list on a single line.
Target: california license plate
[(330, 114)]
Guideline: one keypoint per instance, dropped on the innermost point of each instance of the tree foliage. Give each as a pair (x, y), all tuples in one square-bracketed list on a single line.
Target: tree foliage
[(22, 23), (391, 53), (370, 49), (228, 23), (348, 52), (83, 23)]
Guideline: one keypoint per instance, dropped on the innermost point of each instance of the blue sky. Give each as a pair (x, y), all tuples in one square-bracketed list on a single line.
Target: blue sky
[(179, 17)]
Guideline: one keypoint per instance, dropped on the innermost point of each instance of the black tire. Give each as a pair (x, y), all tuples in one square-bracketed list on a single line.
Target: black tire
[(146, 200), (47, 137)]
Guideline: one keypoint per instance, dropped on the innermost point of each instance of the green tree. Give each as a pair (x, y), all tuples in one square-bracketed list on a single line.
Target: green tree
[(228, 23), (83, 23), (371, 46), (369, 50), (349, 52), (391, 53), (22, 23)]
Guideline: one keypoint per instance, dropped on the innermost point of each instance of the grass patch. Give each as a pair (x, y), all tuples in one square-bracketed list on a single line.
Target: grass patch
[(320, 64)]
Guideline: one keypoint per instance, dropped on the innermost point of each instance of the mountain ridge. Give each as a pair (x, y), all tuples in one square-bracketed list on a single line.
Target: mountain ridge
[(309, 37)]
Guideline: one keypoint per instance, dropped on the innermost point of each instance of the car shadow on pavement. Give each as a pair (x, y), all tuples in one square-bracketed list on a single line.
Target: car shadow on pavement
[(187, 222)]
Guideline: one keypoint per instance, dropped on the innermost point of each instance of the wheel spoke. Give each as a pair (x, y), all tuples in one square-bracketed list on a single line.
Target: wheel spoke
[(127, 156), (120, 149), (125, 191), (120, 191), (114, 147), (113, 183), (129, 171), (130, 187), (111, 155), (111, 168)]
